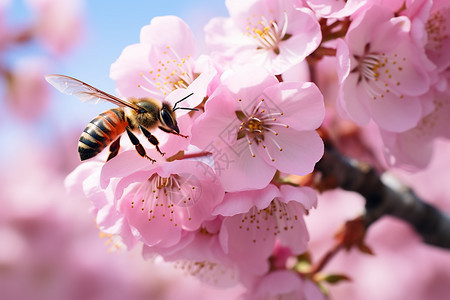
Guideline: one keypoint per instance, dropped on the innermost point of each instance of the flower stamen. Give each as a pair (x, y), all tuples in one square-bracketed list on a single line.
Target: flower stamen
[(163, 195), (379, 74), (169, 74), (256, 126), (268, 34)]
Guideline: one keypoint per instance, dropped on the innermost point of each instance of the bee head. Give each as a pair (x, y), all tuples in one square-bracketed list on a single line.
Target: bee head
[(168, 119)]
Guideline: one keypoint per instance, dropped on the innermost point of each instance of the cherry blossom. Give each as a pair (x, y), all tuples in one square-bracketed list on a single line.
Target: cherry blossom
[(51, 248), (159, 202), (28, 92), (284, 284), (335, 9), (231, 201), (382, 72), (162, 62), (162, 66), (413, 148), (59, 24), (272, 33), (200, 254), (255, 220), (254, 125), (431, 28)]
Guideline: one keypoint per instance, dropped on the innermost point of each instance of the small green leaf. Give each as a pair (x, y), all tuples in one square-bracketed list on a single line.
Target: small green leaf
[(335, 278)]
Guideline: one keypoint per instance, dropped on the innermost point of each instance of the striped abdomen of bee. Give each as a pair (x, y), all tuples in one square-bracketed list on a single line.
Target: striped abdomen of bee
[(101, 131)]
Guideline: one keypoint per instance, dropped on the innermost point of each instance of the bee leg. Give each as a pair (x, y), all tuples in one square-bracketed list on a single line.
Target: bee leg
[(114, 148), (138, 145), (179, 134), (172, 132), (151, 138)]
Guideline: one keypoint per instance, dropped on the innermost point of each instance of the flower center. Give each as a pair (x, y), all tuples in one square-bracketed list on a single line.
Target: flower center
[(273, 220), (170, 73), (437, 31), (380, 74), (257, 126), (162, 196), (267, 34), (208, 271), (254, 128)]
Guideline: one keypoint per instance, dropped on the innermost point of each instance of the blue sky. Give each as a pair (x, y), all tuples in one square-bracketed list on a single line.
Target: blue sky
[(110, 27), (113, 25)]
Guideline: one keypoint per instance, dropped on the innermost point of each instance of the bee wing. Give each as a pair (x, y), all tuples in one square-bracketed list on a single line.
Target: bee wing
[(85, 92)]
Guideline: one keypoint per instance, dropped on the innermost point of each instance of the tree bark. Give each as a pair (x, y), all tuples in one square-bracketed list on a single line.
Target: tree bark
[(385, 195)]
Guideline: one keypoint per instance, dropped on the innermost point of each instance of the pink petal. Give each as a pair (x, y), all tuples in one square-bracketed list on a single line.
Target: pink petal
[(240, 171), (300, 151), (303, 195), (74, 181), (409, 150), (124, 164), (126, 70), (224, 37), (245, 82), (350, 104), (250, 249), (159, 231), (342, 59), (197, 90), (280, 283), (305, 38), (241, 202), (169, 31), (301, 104), (293, 233), (395, 114), (110, 221), (364, 27), (218, 125)]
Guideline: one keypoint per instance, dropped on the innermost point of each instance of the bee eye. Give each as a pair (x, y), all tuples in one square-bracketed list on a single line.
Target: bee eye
[(167, 119)]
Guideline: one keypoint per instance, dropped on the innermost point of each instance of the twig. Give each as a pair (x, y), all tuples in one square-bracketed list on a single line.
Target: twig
[(385, 196)]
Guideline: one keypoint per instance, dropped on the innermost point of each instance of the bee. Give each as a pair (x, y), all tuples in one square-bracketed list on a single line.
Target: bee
[(131, 115)]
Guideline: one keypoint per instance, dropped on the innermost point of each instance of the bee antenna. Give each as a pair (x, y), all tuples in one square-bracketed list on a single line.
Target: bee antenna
[(186, 108), (175, 105)]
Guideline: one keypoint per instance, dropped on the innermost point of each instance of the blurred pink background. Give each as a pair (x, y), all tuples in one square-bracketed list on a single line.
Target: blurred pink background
[(50, 247)]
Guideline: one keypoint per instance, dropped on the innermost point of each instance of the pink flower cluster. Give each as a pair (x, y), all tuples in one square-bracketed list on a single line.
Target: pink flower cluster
[(393, 70), (213, 204), (218, 203)]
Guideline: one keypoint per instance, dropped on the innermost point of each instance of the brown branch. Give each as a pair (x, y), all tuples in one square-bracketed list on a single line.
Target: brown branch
[(384, 196)]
